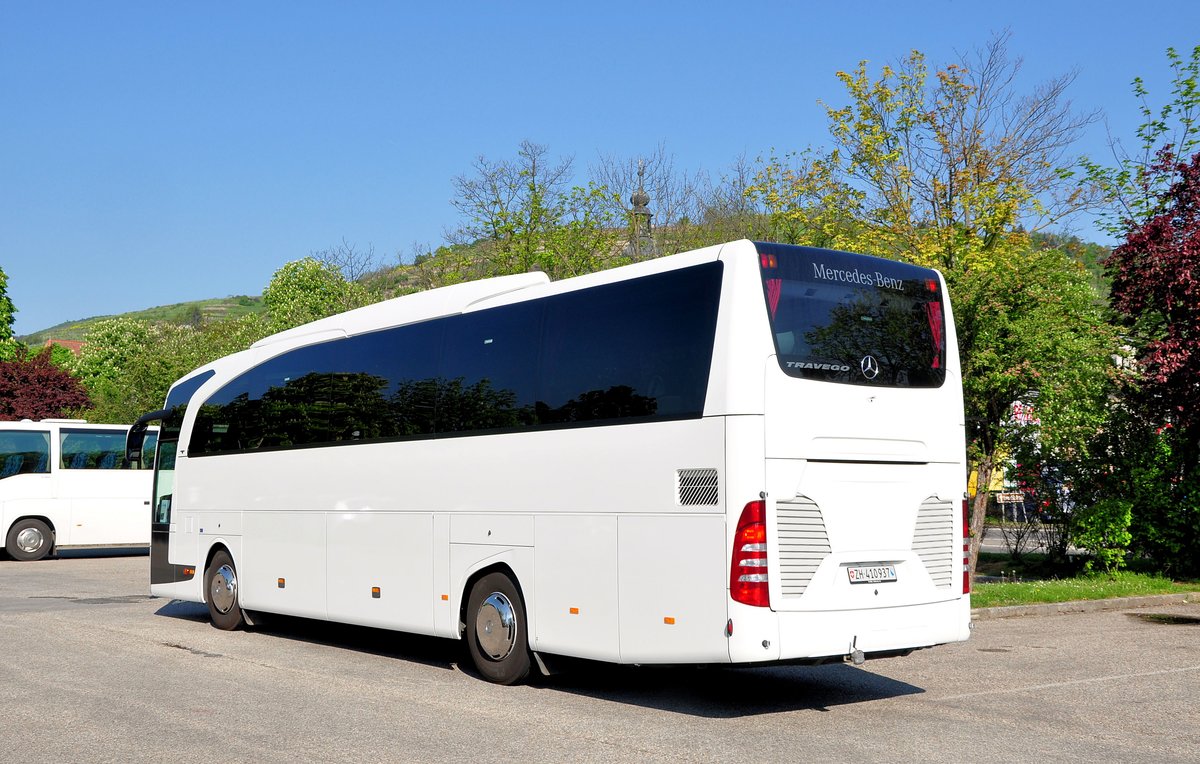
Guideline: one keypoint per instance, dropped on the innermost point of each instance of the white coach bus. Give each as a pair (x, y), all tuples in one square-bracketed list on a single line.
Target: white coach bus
[(66, 483), (749, 453)]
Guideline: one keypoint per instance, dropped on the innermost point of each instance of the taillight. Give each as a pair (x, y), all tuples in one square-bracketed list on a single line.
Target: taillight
[(966, 551), (748, 572)]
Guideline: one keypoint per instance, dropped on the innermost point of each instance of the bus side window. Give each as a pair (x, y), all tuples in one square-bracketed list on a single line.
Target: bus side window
[(24, 452)]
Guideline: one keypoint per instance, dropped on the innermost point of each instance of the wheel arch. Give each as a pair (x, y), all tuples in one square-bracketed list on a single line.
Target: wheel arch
[(33, 516), (45, 519), (217, 546), (464, 592)]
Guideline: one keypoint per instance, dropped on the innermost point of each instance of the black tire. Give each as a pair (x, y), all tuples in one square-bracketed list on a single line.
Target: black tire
[(221, 593), (29, 539), (496, 630)]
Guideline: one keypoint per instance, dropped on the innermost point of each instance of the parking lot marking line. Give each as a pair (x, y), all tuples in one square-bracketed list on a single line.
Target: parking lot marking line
[(1072, 683)]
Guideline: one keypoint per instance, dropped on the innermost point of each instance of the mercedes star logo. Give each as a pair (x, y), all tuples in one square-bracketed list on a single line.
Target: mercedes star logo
[(869, 366)]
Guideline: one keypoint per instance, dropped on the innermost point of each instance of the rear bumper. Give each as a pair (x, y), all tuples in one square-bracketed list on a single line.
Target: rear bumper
[(810, 635)]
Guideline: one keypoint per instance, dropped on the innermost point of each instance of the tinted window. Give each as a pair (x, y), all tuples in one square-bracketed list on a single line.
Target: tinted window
[(388, 387), (488, 371), (176, 405), (855, 319), (23, 452), (636, 349), (282, 403), (630, 351), (93, 449)]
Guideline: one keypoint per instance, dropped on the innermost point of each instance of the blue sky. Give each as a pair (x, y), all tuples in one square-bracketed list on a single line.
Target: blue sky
[(159, 152)]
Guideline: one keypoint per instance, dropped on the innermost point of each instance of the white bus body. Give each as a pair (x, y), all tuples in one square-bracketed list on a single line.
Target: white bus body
[(65, 483), (766, 465)]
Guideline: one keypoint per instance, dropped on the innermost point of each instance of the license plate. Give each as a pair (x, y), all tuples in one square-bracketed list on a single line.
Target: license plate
[(871, 574)]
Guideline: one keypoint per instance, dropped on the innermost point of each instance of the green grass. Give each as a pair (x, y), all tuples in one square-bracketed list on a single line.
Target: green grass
[(1084, 587)]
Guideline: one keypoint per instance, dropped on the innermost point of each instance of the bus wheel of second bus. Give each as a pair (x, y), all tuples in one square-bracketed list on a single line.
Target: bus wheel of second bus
[(221, 592), (496, 630), (29, 539)]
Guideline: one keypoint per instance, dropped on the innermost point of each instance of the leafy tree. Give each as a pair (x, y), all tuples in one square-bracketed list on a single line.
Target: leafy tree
[(1102, 527), (1134, 462), (8, 345), (59, 355), (1155, 291), (1149, 453), (1029, 329), (1156, 295), (38, 389), (1136, 185), (951, 171), (129, 365), (521, 215), (308, 289), (954, 170)]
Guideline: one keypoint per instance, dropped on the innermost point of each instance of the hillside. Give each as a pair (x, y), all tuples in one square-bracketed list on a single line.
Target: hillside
[(459, 262), (179, 313)]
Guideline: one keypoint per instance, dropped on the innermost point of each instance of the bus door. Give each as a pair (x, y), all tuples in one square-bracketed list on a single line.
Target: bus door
[(107, 500)]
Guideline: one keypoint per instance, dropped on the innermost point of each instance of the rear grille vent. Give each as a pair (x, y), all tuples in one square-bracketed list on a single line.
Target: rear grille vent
[(933, 540), (803, 543), (697, 488)]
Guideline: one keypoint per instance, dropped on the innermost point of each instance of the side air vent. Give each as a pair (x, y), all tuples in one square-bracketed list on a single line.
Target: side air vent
[(803, 543), (933, 540), (696, 488)]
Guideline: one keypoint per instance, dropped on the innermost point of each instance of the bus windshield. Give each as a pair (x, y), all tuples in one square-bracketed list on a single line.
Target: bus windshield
[(853, 319)]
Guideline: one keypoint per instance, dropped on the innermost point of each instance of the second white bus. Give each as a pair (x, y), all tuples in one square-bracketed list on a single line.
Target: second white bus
[(65, 483), (749, 453)]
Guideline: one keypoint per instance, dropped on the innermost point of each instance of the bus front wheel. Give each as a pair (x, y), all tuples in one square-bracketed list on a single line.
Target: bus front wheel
[(29, 539), (221, 593), (496, 630)]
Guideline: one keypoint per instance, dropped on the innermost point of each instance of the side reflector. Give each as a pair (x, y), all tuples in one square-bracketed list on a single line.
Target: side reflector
[(748, 567), (574, 611), (445, 598), (280, 583), (375, 592), (668, 620), (966, 588)]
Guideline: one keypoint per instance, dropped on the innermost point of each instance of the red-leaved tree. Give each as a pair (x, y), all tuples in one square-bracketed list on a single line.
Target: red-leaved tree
[(1156, 287), (1153, 442), (37, 389)]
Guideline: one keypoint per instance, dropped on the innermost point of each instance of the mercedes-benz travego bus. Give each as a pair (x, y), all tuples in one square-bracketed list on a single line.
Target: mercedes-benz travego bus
[(65, 483), (750, 453)]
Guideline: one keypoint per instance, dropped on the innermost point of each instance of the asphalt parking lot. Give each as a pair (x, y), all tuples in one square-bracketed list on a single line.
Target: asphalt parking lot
[(92, 669)]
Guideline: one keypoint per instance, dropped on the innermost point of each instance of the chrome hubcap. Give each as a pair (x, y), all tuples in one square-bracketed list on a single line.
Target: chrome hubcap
[(29, 540), (496, 626), (223, 591)]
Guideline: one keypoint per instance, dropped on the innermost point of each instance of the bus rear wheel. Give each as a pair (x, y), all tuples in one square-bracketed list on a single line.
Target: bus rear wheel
[(496, 631), (29, 539), (221, 593)]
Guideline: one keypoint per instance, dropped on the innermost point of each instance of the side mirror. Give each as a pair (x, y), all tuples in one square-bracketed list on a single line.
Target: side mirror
[(137, 435)]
